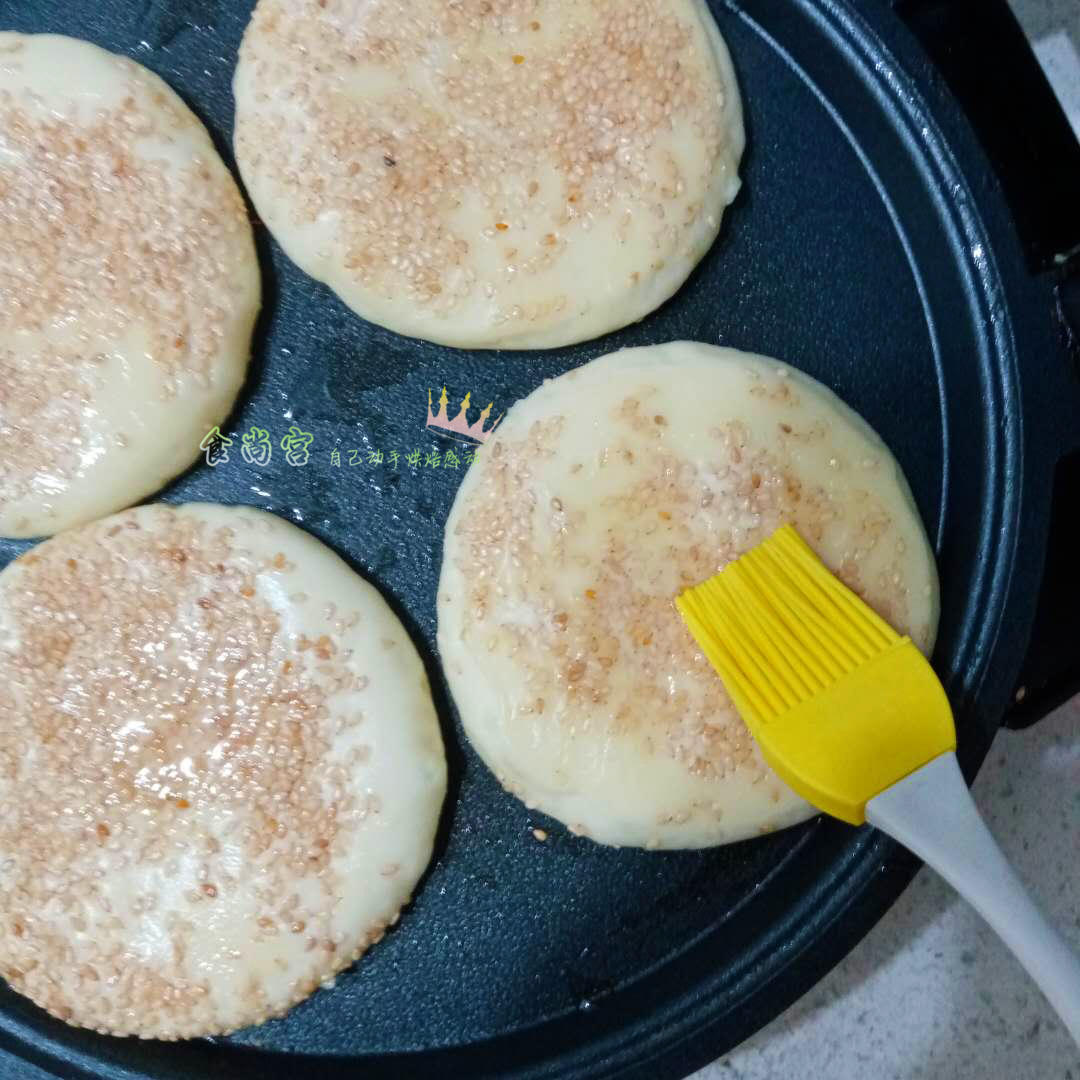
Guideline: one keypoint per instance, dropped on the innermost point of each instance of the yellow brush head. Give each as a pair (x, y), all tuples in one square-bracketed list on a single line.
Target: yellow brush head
[(842, 706)]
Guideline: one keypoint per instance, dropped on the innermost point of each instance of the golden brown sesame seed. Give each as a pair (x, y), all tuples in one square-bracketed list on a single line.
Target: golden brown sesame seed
[(80, 211), (581, 662), (228, 727)]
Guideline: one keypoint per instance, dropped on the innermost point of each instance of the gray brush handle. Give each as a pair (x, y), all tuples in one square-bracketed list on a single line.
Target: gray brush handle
[(931, 812)]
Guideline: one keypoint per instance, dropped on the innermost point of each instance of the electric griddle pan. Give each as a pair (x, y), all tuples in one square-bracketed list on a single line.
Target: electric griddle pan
[(911, 197)]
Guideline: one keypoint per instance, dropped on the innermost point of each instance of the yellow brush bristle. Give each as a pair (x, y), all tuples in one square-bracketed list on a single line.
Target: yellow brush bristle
[(796, 647), (779, 627)]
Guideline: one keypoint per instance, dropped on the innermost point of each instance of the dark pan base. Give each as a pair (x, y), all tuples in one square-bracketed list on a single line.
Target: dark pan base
[(868, 249)]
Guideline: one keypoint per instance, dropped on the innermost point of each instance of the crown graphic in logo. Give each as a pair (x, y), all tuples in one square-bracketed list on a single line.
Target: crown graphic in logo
[(460, 424)]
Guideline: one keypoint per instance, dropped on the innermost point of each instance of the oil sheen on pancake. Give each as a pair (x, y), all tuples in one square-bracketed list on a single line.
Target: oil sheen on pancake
[(128, 284), (220, 770), (490, 173), (600, 497)]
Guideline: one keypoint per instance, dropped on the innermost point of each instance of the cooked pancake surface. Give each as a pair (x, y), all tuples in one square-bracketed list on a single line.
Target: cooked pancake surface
[(601, 496), (220, 770), (128, 284), (504, 173)]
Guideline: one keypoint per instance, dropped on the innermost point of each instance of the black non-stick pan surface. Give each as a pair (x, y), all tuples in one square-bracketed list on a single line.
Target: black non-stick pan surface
[(872, 248)]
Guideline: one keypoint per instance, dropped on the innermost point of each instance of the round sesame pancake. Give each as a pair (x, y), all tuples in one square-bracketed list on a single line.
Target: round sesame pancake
[(600, 497), (129, 284), (220, 770), (490, 173)]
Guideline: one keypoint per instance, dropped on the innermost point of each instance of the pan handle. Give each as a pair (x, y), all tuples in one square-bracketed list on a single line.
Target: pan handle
[(981, 52), (979, 49), (1051, 671)]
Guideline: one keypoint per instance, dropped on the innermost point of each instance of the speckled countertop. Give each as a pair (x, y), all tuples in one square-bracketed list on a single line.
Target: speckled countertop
[(931, 992)]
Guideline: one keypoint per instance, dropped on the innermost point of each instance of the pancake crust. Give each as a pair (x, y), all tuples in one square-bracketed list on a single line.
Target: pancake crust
[(601, 496), (129, 284), (490, 173), (220, 770)]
